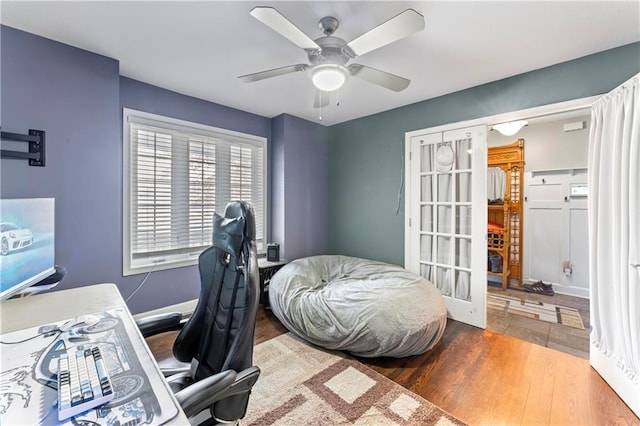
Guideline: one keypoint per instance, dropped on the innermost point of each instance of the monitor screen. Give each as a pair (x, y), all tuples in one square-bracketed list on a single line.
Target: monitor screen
[(27, 250)]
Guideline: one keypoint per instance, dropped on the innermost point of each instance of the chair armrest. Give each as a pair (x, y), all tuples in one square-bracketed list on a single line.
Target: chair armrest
[(168, 372), (160, 323), (244, 381), (203, 393), (181, 379), (197, 397)]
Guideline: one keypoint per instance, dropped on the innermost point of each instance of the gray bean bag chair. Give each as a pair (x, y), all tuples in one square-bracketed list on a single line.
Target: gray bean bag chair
[(360, 306)]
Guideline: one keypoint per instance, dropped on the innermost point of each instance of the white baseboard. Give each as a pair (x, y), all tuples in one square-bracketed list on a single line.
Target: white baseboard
[(572, 291)]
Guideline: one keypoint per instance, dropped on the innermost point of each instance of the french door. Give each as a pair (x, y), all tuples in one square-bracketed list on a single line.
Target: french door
[(446, 217)]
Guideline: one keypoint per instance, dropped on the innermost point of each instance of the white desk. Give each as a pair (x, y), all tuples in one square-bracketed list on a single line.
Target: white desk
[(40, 309)]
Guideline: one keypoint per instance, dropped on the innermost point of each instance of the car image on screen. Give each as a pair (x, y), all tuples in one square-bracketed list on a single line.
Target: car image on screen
[(12, 237)]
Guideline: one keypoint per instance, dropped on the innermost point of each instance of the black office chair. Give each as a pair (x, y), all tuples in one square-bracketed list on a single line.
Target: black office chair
[(218, 338)]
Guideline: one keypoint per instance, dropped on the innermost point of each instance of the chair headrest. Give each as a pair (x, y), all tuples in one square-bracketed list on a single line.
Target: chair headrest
[(230, 231), (242, 209), (228, 234)]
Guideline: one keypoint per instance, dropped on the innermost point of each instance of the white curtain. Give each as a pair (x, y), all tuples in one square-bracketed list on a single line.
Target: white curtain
[(614, 252), (453, 245)]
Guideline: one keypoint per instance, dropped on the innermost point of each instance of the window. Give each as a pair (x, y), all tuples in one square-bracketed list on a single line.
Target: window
[(176, 175)]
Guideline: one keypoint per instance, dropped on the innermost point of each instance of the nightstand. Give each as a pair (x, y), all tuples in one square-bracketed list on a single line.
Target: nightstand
[(267, 270)]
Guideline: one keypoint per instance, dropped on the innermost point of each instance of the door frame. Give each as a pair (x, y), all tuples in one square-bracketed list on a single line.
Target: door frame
[(489, 121)]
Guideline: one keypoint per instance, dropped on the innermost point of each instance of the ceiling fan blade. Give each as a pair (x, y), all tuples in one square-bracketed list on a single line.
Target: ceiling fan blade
[(250, 78), (321, 99), (274, 20), (396, 28), (381, 78)]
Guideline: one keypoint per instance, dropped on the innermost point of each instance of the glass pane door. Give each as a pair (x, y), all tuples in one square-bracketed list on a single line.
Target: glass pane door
[(445, 244)]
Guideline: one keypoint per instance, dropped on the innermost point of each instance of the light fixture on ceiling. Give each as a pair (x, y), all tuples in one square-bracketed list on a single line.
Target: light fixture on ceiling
[(329, 77), (510, 128)]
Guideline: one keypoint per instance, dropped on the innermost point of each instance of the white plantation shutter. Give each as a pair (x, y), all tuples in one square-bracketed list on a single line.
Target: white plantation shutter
[(177, 174), (202, 191)]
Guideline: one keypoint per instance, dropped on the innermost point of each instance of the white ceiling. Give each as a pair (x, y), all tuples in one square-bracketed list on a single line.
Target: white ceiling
[(200, 48)]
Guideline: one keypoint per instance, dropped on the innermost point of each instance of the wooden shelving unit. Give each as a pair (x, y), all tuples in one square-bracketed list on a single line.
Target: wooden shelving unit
[(508, 243)]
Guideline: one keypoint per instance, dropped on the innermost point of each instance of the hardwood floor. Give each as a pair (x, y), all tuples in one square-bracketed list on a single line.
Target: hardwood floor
[(483, 377)]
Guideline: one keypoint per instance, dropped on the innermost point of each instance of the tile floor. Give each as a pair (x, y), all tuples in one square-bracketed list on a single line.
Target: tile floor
[(555, 336)]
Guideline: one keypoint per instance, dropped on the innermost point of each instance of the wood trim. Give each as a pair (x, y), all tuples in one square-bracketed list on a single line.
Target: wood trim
[(502, 156)]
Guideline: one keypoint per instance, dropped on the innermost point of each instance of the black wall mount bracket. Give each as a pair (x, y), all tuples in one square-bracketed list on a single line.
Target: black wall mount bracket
[(36, 141)]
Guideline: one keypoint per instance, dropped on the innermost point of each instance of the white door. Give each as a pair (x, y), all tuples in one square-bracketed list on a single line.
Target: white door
[(446, 217)]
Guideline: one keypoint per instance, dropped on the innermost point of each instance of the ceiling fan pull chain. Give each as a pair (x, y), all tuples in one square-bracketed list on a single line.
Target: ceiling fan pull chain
[(338, 97), (320, 110)]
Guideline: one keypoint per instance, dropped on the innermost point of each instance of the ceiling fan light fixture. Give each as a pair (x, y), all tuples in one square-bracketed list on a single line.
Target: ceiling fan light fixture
[(510, 128), (329, 77)]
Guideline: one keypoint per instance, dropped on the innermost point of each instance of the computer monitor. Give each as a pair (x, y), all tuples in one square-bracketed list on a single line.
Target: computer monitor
[(27, 249)]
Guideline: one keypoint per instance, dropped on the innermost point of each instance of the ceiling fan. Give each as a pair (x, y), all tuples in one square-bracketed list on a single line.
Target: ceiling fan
[(329, 55)]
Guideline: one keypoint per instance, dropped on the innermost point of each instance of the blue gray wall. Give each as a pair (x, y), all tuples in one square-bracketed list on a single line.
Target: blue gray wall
[(72, 95), (77, 97), (365, 164), (148, 98), (300, 199)]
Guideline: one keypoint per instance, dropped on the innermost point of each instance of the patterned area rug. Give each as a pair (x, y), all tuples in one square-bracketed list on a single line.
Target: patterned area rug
[(301, 384), (537, 310)]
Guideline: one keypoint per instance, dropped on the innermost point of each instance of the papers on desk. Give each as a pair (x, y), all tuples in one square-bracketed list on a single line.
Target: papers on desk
[(28, 376)]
